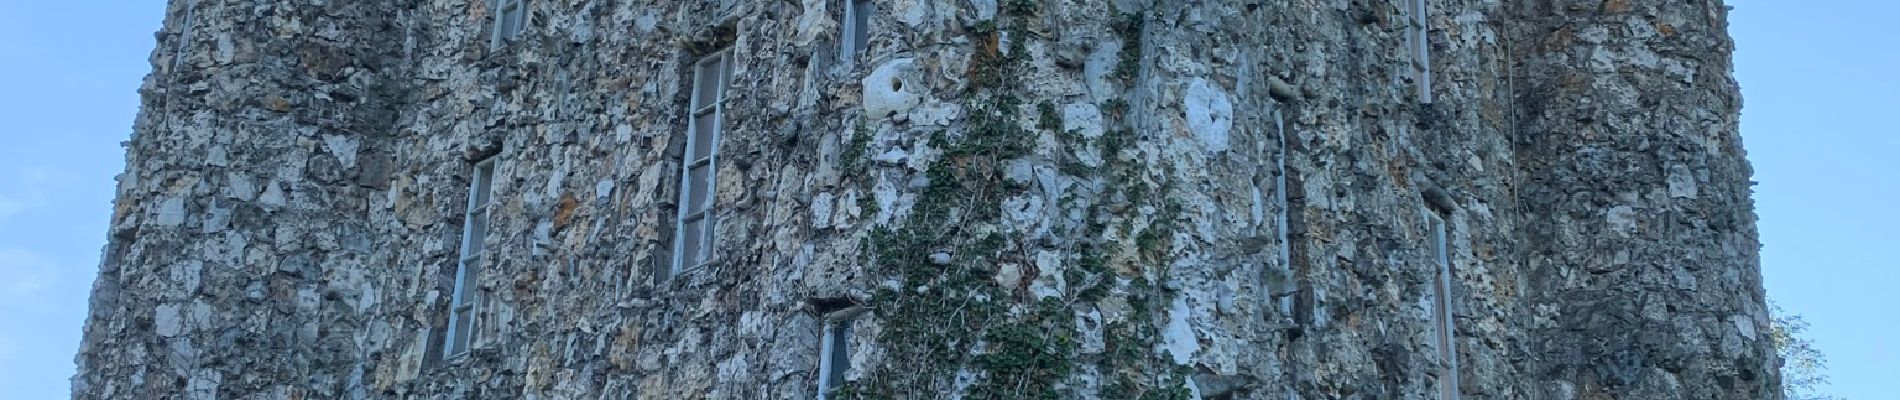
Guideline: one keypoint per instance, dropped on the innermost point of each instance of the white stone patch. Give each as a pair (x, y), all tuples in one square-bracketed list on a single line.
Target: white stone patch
[(603, 189), (623, 133), (1023, 212), (1622, 219), (1009, 275), (203, 385), (985, 9), (226, 49), (1177, 337), (556, 180), (815, 21), (238, 186), (1321, 318), (1089, 339), (890, 202), (821, 210), (1019, 171), (1681, 182), (543, 237), (934, 113), (886, 90), (1084, 119), (1099, 65), (343, 148), (894, 157), (189, 275), (1049, 281), (1745, 325), (273, 195), (201, 313), (1210, 114), (914, 12), (735, 368), (368, 298), (1052, 180), (171, 212), (167, 321), (646, 22)]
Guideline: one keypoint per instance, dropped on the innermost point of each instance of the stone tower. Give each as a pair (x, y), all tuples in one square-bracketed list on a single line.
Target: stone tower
[(912, 199)]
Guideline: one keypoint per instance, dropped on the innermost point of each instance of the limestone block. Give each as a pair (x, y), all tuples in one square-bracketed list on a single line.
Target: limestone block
[(888, 89)]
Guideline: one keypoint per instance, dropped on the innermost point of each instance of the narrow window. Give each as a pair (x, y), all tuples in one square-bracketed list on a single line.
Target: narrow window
[(1443, 335), (1280, 226), (510, 16), (856, 33), (1417, 31), (462, 298), (693, 241), (835, 350)]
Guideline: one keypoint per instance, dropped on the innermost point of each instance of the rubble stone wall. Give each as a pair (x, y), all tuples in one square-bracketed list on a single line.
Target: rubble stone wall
[(1029, 199)]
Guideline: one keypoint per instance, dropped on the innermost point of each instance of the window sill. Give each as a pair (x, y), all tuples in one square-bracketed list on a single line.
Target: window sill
[(677, 278)]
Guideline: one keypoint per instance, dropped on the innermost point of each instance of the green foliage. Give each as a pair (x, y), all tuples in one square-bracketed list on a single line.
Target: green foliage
[(928, 319), (1803, 369), (1129, 26), (1022, 7), (1028, 357), (1115, 108), (941, 317), (1047, 118), (991, 66), (852, 161)]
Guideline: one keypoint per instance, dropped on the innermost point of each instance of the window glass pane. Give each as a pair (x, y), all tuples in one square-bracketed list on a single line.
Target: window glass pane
[(459, 332), (690, 237), (481, 183), (706, 83), (707, 244), (1440, 254), (465, 282), (703, 128), (477, 230), (840, 357), (698, 186), (510, 20), (861, 20)]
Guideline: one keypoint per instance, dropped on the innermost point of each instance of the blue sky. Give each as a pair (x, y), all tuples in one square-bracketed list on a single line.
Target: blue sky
[(1819, 78), (1818, 75), (69, 77)]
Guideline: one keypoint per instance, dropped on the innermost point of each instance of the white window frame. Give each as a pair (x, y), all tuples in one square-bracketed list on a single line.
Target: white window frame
[(708, 102), (1282, 230), (1444, 335), (854, 35), (1418, 38), (504, 30), (463, 324), (834, 349)]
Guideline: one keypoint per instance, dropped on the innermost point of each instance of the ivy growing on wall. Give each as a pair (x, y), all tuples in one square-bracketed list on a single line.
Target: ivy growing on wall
[(948, 325)]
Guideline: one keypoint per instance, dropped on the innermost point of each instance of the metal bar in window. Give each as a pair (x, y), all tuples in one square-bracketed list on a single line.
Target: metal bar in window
[(693, 238)]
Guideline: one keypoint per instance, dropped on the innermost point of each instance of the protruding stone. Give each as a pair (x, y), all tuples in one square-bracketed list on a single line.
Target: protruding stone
[(887, 90), (1210, 115)]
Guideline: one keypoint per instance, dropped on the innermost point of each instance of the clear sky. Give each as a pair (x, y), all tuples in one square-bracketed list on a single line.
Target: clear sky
[(1821, 81), (69, 77), (1819, 77)]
